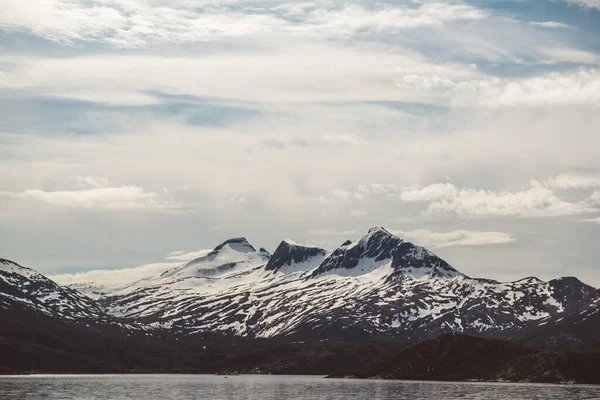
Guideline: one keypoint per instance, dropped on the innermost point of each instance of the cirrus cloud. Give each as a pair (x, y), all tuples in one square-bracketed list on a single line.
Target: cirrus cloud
[(136, 23)]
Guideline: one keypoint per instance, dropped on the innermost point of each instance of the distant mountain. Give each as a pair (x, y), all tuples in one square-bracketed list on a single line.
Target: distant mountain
[(377, 287)]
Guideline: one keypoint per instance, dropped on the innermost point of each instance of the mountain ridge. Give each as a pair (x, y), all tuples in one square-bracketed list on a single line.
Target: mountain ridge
[(376, 287)]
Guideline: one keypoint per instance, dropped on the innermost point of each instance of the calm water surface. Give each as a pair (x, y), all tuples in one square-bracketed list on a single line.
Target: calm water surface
[(265, 387)]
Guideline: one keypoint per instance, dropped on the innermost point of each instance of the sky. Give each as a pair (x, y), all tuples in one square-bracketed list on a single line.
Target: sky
[(135, 134)]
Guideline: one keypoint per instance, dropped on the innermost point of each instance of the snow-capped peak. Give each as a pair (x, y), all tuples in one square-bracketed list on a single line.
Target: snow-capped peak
[(380, 249), (376, 248), (231, 256)]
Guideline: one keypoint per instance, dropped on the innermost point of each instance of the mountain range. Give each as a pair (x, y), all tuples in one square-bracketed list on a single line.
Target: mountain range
[(379, 287)]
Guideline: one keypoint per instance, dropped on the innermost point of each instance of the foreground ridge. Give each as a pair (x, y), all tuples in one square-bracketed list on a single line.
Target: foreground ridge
[(455, 357)]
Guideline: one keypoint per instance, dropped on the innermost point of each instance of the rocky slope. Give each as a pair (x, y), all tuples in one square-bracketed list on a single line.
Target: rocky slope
[(576, 330), (24, 288), (27, 292)]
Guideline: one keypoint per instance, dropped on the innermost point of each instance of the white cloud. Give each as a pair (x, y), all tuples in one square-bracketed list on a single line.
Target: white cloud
[(91, 181), (387, 188), (341, 74), (240, 200), (313, 72), (593, 220), (557, 54), (578, 87), (136, 23), (573, 181), (341, 196), (594, 4), (426, 237), (550, 24), (345, 138), (536, 201), (352, 19), (130, 23), (126, 197), (189, 256), (427, 82), (437, 191), (114, 278)]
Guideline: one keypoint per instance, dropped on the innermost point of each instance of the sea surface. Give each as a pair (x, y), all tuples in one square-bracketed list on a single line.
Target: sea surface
[(267, 387)]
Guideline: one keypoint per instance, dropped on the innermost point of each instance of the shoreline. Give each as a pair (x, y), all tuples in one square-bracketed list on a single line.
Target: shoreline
[(346, 377)]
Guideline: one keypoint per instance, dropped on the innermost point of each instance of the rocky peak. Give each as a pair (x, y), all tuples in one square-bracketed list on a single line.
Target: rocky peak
[(378, 245), (289, 252)]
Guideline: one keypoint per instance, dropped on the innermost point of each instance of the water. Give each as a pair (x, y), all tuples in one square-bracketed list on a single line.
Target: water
[(265, 387)]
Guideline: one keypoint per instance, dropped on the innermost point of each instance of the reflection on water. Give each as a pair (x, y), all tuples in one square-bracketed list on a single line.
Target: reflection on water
[(264, 387)]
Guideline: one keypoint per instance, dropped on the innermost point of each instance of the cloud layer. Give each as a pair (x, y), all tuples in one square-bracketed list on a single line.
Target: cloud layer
[(132, 23), (130, 128), (113, 278)]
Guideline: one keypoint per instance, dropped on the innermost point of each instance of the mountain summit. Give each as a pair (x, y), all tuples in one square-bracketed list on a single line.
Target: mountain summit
[(379, 248)]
